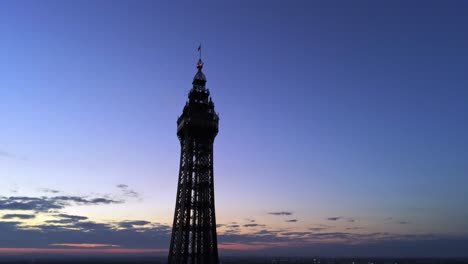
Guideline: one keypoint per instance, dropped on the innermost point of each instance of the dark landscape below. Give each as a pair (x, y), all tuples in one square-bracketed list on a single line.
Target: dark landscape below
[(154, 260)]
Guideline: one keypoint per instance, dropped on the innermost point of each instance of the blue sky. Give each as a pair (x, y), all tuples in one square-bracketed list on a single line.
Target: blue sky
[(355, 111)]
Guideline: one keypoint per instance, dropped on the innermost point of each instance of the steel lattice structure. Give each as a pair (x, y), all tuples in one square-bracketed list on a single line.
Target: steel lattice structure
[(194, 238)]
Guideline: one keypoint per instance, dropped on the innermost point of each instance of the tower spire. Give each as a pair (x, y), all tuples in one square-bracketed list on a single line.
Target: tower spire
[(200, 78), (200, 62), (199, 51)]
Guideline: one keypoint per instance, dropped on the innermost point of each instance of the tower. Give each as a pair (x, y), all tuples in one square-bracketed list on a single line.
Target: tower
[(194, 238)]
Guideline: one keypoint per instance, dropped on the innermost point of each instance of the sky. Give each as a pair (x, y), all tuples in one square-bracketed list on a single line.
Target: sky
[(343, 126)]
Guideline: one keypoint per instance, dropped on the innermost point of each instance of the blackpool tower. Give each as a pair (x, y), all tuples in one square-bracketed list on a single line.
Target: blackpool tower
[(194, 237)]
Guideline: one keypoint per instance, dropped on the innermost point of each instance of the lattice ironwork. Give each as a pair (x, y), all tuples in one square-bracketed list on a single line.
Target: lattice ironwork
[(194, 238)]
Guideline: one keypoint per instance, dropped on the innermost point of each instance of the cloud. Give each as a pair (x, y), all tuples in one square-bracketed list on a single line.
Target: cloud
[(291, 221), (398, 246), (132, 224), (80, 200), (66, 219), (74, 229), (397, 221), (61, 221), (72, 217), (336, 218), (267, 232), (354, 228), (92, 226), (6, 154), (127, 191), (8, 225), (252, 225), (9, 155), (268, 242), (296, 233), (44, 204), (317, 229), (231, 231), (47, 190), (14, 188), (28, 203), (83, 232), (280, 213), (18, 216)]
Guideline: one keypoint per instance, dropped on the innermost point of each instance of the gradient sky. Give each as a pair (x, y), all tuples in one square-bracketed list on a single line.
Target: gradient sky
[(343, 126)]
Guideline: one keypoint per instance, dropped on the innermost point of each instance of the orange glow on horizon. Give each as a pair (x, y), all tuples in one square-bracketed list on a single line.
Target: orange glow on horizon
[(84, 245), (241, 247), (251, 247)]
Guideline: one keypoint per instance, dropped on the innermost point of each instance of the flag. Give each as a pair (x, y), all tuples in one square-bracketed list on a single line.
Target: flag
[(199, 47)]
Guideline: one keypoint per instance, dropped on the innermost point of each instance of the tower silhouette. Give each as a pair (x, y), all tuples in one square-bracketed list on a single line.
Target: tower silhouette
[(194, 238)]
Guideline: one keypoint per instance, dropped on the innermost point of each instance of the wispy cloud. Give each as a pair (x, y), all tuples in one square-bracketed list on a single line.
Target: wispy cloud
[(9, 155), (336, 218), (19, 216), (397, 220), (66, 219), (82, 200), (252, 225), (354, 228), (6, 154), (127, 192), (47, 190), (280, 213), (133, 224), (72, 217), (318, 229)]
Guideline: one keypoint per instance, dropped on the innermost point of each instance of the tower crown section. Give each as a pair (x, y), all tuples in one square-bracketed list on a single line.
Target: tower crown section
[(199, 119)]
